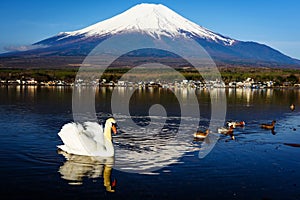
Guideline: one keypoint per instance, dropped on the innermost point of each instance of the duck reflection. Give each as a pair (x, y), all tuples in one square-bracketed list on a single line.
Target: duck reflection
[(77, 167)]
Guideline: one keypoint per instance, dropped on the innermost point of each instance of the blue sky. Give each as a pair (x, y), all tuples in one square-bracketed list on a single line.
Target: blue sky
[(272, 22)]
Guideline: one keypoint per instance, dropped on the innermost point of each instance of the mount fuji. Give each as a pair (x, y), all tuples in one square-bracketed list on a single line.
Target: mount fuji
[(157, 21)]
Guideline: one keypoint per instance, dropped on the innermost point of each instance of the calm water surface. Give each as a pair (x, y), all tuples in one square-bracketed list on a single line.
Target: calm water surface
[(259, 164)]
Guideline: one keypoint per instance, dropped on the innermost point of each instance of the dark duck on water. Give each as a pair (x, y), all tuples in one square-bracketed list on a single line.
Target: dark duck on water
[(268, 126)]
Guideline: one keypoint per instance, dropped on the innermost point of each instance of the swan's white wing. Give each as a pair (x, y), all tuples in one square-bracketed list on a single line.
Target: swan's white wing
[(92, 137), (95, 130), (88, 143), (70, 135), (86, 139)]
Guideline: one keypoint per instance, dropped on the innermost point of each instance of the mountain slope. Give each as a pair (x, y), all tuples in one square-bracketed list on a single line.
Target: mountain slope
[(155, 20), (159, 21)]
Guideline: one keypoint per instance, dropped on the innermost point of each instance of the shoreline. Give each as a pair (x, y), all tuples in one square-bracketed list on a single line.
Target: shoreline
[(139, 86)]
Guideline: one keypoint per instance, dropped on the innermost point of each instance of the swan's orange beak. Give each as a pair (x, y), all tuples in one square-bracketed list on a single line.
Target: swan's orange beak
[(114, 129)]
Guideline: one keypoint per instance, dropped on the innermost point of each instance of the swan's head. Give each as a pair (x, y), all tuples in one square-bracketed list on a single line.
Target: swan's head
[(111, 122)]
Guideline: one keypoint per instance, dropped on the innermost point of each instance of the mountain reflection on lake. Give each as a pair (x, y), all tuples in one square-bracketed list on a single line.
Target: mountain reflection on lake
[(165, 164)]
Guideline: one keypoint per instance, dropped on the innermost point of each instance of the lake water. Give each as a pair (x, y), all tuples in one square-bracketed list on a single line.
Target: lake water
[(259, 164)]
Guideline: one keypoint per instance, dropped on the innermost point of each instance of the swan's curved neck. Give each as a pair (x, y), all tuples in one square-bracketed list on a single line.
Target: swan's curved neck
[(107, 132), (107, 142)]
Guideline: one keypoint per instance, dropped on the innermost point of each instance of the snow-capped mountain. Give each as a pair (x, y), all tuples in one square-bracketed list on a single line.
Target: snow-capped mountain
[(155, 20), (159, 21)]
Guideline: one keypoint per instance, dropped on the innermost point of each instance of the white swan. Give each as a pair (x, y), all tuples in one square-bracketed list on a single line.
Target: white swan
[(88, 139)]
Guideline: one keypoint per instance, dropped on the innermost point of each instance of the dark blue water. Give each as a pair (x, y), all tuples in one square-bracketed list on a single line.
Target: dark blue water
[(259, 164)]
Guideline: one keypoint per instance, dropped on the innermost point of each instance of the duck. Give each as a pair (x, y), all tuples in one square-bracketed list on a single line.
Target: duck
[(268, 126), (236, 124), (227, 131), (292, 107), (201, 134), (88, 139)]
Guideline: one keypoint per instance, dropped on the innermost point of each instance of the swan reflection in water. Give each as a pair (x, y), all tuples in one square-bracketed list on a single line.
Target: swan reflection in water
[(77, 167)]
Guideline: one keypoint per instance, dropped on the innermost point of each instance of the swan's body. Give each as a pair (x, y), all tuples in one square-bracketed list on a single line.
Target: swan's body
[(88, 139)]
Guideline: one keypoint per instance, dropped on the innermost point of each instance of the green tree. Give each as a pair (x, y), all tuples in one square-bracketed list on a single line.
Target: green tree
[(292, 78)]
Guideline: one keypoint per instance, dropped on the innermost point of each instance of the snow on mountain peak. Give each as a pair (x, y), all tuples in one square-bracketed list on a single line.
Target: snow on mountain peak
[(154, 19)]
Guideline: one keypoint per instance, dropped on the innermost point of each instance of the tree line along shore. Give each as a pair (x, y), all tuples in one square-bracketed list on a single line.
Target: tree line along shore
[(280, 77)]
